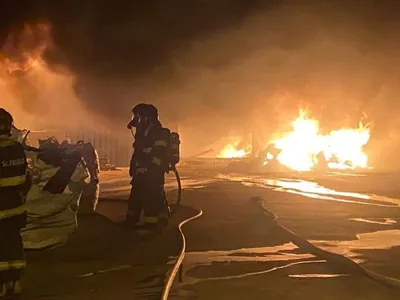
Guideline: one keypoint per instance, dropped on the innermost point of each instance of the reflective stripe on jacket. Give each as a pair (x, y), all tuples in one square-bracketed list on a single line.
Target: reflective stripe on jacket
[(13, 178)]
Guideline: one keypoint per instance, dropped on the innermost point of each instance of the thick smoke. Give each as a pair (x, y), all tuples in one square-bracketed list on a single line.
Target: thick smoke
[(229, 67), (39, 95)]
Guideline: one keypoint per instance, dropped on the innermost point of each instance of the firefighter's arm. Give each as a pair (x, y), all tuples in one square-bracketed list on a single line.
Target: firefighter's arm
[(131, 166), (28, 182), (158, 154), (26, 186)]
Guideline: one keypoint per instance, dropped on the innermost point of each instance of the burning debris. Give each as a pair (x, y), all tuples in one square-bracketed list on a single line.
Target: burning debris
[(230, 151), (237, 148), (305, 148)]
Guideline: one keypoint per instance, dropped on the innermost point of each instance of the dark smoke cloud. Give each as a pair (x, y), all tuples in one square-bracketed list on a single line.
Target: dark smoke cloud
[(222, 65), (113, 41)]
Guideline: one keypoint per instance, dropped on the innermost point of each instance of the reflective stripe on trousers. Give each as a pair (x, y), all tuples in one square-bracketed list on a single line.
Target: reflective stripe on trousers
[(12, 265), (154, 220)]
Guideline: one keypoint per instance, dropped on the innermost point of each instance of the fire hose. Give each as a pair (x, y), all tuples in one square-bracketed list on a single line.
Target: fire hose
[(178, 263), (179, 190)]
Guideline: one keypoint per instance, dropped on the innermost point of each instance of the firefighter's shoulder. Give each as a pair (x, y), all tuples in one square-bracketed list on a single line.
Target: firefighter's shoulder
[(12, 145), (163, 133)]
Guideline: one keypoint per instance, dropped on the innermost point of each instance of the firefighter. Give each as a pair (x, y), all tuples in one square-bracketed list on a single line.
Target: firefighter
[(14, 186), (148, 166)]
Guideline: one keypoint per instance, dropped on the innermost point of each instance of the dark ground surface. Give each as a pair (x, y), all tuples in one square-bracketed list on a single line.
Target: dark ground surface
[(234, 250), (104, 260)]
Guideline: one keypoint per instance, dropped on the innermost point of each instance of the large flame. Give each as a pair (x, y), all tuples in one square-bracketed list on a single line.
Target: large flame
[(236, 148), (301, 149), (230, 151)]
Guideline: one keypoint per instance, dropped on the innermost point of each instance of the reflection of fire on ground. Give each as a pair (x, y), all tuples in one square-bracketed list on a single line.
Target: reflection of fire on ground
[(305, 148)]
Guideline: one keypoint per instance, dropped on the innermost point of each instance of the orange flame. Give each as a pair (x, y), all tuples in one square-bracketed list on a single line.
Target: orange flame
[(301, 149), (235, 149)]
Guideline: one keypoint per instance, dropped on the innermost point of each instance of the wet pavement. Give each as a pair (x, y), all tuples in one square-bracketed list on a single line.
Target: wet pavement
[(234, 250), (359, 226), (243, 253), (104, 260)]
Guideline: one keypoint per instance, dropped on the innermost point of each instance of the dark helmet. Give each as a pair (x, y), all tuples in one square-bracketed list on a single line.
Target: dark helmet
[(139, 109), (6, 122), (143, 114), (152, 112)]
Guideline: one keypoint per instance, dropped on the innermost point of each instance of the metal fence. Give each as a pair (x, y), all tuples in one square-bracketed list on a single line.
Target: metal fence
[(116, 149)]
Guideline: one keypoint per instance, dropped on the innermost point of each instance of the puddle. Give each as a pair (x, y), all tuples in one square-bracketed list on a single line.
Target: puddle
[(387, 221), (149, 285), (190, 183), (317, 275), (314, 190), (118, 268), (378, 240), (275, 253), (324, 197), (232, 258), (312, 187), (331, 173)]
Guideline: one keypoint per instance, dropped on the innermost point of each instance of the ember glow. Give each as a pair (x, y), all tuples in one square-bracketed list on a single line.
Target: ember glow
[(304, 146)]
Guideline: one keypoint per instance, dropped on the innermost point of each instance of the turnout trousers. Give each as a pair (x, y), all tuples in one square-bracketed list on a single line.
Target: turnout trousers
[(147, 196), (12, 261)]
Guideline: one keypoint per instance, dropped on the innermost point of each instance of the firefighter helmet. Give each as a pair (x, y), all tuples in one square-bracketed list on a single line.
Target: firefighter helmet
[(139, 109), (143, 114), (152, 112), (6, 122)]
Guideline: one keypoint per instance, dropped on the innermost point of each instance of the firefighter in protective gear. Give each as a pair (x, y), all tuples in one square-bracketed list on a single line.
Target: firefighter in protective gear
[(14, 186), (148, 166)]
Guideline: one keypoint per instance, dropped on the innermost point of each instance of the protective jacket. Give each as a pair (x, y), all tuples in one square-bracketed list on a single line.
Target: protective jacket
[(14, 182), (150, 156), (149, 164), (14, 186)]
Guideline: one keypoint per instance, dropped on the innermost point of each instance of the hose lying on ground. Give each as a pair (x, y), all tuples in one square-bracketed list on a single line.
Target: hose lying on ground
[(171, 277), (303, 243)]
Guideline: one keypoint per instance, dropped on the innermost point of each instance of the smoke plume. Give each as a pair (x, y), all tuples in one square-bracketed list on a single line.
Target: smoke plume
[(224, 67)]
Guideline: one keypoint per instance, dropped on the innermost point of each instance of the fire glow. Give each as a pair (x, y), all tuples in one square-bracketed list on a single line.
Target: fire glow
[(237, 148), (301, 148), (230, 151)]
